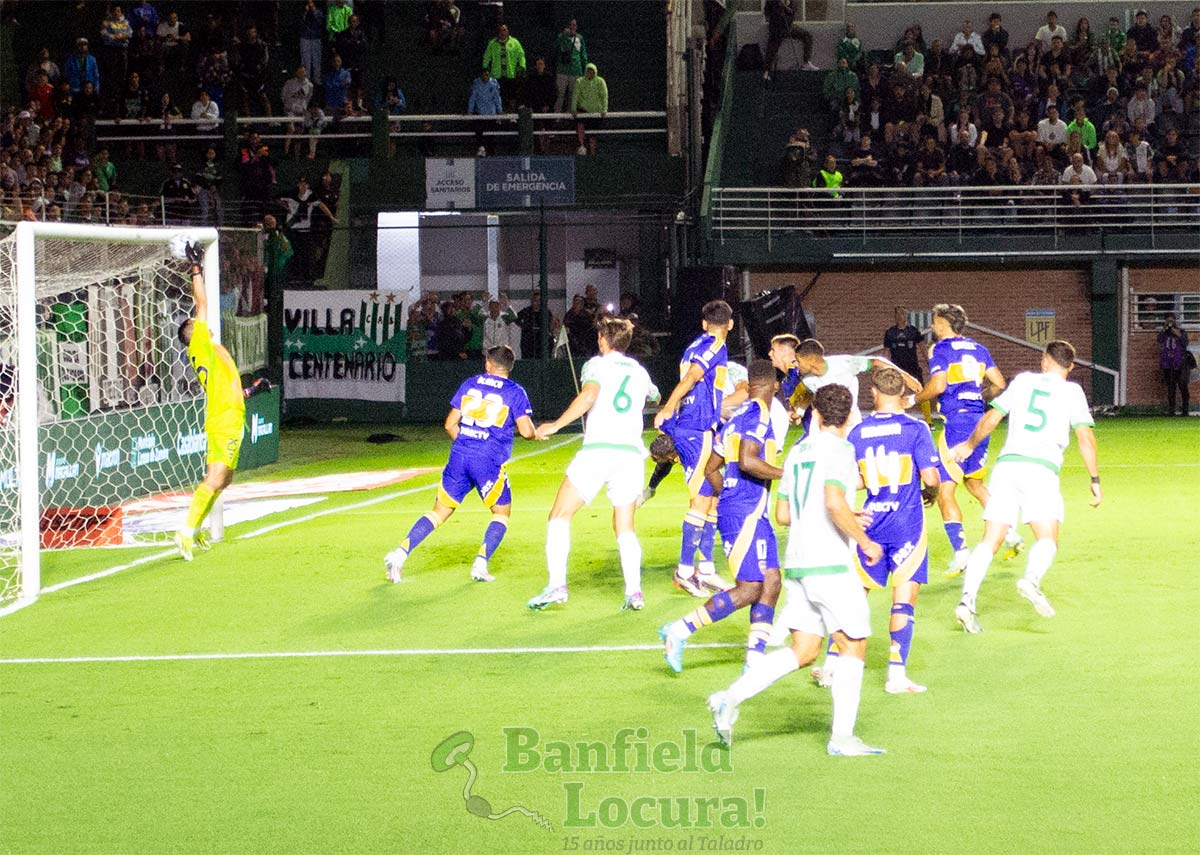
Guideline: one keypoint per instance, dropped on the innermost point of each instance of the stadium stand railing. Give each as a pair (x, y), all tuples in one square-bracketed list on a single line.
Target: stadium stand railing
[(952, 212)]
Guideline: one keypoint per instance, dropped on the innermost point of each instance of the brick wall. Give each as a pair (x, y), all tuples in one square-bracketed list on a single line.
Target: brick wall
[(853, 309), (1144, 381)]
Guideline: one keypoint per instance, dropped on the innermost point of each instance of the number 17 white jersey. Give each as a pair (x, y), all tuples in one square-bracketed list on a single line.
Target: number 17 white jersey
[(1042, 410), (615, 421)]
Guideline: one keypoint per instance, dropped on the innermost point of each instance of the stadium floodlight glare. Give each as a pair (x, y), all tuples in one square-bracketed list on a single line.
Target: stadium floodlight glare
[(98, 404)]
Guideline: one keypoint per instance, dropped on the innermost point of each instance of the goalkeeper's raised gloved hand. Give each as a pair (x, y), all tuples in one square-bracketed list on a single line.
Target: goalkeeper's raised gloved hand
[(194, 252)]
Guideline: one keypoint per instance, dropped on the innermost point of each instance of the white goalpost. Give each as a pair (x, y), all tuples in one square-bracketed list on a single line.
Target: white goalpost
[(99, 406)]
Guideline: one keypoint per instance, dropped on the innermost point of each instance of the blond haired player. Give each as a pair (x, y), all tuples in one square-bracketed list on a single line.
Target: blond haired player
[(224, 413)]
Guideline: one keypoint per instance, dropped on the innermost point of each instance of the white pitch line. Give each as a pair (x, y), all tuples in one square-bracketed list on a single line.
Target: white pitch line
[(378, 500), (158, 556), (327, 654)]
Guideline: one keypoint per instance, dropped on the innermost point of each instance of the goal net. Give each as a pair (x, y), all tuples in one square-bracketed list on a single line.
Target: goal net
[(99, 407)]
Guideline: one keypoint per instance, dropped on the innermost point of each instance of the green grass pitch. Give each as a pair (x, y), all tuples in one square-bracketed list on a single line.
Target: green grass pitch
[(1075, 734)]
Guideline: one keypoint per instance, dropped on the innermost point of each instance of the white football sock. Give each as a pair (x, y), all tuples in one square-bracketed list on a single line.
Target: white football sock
[(846, 692), (773, 666), (977, 567), (558, 547), (1041, 556), (631, 561)]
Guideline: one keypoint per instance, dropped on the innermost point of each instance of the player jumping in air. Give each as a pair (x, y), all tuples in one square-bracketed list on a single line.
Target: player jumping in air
[(957, 368), (615, 390), (690, 416), (747, 449), (483, 413), (224, 414), (896, 457), (1042, 410), (825, 596)]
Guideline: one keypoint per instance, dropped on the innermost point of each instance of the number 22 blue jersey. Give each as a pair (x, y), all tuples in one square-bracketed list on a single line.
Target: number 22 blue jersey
[(490, 406)]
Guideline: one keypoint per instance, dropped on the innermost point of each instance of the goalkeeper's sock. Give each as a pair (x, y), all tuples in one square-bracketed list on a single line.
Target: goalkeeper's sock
[(954, 533), (661, 471), (693, 529), (708, 538), (202, 502), (420, 530), (492, 536)]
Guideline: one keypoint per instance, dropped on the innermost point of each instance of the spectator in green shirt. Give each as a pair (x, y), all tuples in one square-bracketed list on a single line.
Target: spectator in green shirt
[(1081, 123), (836, 84), (505, 59), (571, 63), (591, 99), (105, 171), (850, 49), (337, 18)]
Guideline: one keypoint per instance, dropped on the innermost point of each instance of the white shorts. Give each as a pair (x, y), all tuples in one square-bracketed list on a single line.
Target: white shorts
[(1019, 491), (820, 604), (620, 471)]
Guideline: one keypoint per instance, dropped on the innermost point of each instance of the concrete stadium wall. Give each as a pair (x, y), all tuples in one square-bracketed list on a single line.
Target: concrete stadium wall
[(853, 309), (1144, 381)]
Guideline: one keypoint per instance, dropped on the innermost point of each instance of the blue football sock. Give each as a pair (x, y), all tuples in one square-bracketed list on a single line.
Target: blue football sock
[(761, 618), (492, 536), (902, 638), (954, 533), (420, 530), (708, 537), (693, 529)]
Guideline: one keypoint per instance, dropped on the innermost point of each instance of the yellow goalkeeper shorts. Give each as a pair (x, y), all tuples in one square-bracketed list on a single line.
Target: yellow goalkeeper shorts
[(225, 439)]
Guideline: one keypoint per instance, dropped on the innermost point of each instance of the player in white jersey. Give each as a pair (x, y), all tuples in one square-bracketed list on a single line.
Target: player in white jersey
[(615, 390), (825, 596), (1042, 410)]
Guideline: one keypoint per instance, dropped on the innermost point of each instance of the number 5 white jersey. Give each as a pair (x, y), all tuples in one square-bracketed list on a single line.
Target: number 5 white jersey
[(615, 421), (1042, 410)]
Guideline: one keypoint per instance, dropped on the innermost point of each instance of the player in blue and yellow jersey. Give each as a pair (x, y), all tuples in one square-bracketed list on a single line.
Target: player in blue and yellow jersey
[(898, 465), (483, 415), (958, 367), (747, 450), (224, 413), (690, 416)]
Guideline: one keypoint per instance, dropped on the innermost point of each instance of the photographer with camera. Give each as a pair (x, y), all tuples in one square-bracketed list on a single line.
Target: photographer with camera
[(799, 161), (1175, 361)]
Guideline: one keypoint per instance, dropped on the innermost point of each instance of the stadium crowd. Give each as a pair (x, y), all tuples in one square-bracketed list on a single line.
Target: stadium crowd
[(466, 326), (1101, 105)]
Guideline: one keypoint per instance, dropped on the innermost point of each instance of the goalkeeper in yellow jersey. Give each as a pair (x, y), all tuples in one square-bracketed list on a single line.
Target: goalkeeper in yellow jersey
[(225, 414)]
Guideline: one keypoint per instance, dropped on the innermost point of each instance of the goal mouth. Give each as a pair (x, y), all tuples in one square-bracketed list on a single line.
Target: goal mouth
[(99, 404)]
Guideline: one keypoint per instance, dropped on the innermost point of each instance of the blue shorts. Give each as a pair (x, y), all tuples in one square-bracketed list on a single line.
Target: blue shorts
[(465, 472), (902, 562), (958, 428), (750, 545), (694, 448)]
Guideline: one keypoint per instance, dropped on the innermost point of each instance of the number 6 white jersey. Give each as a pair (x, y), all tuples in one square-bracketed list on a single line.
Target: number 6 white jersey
[(615, 421), (1042, 410)]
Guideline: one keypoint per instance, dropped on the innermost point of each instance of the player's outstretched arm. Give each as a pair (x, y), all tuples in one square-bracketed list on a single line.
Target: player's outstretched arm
[(982, 431), (453, 420), (525, 428), (694, 373), (195, 255), (847, 522), (1087, 450), (577, 409), (930, 480), (935, 387), (913, 384)]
